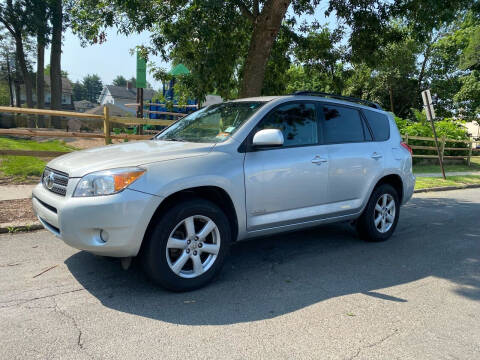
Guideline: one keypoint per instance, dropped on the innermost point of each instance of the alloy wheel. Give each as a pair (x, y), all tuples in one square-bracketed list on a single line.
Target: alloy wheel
[(193, 246), (384, 213)]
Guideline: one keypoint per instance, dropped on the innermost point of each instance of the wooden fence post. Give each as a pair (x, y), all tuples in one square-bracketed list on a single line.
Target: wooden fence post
[(406, 139), (106, 124), (470, 153), (442, 148)]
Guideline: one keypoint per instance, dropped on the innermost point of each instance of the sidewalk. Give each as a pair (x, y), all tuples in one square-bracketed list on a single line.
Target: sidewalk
[(15, 192), (458, 173)]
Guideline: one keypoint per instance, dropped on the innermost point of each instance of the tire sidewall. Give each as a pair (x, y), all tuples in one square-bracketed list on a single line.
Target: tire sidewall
[(155, 256)]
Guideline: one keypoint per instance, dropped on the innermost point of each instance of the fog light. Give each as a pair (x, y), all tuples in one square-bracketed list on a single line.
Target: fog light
[(104, 235)]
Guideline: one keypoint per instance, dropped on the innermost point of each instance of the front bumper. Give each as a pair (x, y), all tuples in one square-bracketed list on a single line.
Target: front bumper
[(122, 217)]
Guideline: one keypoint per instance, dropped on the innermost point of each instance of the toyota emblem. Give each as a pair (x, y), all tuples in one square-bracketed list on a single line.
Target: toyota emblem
[(48, 179)]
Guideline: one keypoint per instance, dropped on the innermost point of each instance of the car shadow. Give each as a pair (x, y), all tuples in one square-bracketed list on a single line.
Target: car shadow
[(268, 277)]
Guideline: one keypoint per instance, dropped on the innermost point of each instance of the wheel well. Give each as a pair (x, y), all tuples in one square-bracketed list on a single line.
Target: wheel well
[(212, 193), (395, 181)]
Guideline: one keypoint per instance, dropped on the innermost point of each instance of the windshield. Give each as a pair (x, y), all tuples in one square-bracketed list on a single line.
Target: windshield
[(215, 123)]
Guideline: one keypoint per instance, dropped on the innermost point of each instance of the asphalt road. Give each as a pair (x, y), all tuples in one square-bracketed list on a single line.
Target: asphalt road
[(314, 294)]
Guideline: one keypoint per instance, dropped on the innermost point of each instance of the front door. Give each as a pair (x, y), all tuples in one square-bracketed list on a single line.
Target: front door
[(286, 185)]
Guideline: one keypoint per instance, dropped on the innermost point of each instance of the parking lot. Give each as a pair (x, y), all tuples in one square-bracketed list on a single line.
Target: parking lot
[(314, 294)]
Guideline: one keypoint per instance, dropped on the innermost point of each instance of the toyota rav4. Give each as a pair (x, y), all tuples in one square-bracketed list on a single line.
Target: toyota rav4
[(229, 172)]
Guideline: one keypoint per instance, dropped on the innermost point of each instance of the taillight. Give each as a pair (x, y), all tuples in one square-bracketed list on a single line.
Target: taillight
[(407, 147)]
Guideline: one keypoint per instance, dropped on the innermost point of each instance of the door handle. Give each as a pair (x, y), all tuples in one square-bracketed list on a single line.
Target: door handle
[(376, 155), (319, 160)]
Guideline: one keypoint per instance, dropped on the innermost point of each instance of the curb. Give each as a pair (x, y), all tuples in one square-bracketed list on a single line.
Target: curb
[(447, 188), (20, 228)]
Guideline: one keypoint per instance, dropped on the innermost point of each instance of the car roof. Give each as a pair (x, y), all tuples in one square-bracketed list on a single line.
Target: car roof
[(308, 97)]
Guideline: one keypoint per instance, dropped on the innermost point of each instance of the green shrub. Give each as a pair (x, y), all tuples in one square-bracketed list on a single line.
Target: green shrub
[(448, 128)]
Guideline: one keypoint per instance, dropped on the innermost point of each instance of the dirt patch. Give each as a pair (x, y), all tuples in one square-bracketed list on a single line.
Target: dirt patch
[(12, 180), (86, 143), (14, 211)]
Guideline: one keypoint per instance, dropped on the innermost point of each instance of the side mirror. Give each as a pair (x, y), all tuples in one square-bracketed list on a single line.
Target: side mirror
[(268, 137)]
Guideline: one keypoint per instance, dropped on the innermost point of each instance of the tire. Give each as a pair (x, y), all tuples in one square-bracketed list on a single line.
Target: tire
[(367, 227), (173, 248)]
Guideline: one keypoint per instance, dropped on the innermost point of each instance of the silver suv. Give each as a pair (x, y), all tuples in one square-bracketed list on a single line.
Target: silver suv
[(229, 172)]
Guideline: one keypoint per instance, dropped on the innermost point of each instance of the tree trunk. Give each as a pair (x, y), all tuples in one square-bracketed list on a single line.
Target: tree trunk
[(27, 80), (55, 59), (40, 90), (265, 29), (10, 89), (17, 94), (426, 57)]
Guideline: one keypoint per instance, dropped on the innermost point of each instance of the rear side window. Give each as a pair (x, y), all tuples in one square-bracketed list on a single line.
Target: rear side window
[(342, 125), (379, 124)]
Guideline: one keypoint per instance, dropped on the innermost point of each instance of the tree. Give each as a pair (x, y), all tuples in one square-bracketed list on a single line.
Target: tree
[(14, 16), (470, 59), (93, 87), (78, 91), (8, 62), (120, 81), (224, 44), (39, 27), (56, 10)]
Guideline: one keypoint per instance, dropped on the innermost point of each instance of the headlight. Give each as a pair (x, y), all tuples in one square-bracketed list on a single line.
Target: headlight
[(107, 182)]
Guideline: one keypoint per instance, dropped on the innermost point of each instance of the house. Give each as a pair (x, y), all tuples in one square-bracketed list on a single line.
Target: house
[(83, 105), (122, 95), (67, 103)]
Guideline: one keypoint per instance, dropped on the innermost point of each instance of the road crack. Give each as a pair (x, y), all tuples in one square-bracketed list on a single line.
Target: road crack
[(374, 344), (65, 314), (19, 302)]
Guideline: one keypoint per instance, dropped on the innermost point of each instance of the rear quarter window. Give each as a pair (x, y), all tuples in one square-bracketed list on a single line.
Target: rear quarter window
[(379, 124)]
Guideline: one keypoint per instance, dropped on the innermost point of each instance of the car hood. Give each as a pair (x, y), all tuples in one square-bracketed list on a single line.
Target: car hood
[(80, 163)]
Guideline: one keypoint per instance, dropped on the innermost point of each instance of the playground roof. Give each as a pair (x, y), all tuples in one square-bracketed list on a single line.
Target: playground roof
[(180, 69)]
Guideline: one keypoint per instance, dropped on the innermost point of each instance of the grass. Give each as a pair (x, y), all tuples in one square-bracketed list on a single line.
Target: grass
[(22, 144), (20, 168), (430, 168), (431, 182)]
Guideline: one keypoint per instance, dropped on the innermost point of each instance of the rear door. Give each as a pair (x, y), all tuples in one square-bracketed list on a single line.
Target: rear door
[(355, 160), (286, 185)]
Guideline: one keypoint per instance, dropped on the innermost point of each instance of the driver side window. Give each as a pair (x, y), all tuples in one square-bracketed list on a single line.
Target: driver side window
[(297, 122)]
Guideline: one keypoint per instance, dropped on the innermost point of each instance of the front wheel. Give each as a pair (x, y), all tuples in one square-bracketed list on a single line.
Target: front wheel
[(188, 245), (380, 217)]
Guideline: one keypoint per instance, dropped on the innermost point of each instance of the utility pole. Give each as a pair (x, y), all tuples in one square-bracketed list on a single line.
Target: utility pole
[(428, 104)]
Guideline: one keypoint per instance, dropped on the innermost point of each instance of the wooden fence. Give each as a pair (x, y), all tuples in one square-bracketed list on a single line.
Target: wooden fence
[(470, 150), (107, 119)]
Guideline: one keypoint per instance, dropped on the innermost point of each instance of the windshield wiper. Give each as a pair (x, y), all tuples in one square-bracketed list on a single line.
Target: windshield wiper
[(174, 139)]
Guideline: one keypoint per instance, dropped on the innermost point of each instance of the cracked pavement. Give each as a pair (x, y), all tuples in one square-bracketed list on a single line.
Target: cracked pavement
[(315, 294)]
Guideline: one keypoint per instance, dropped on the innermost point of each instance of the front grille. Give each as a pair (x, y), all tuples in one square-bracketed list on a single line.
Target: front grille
[(55, 181)]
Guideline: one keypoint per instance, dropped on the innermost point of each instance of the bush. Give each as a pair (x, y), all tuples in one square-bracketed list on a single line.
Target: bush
[(448, 128)]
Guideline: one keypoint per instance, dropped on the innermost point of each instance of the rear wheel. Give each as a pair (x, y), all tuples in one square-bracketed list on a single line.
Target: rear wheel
[(188, 245), (380, 217)]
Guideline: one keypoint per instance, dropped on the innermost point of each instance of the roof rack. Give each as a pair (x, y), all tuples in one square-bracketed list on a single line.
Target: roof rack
[(339, 97)]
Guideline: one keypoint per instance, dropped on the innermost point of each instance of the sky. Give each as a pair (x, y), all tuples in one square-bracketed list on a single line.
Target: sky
[(107, 60), (113, 57)]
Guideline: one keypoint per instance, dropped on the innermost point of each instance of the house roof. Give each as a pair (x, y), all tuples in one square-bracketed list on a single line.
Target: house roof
[(66, 84), (122, 92), (84, 104), (114, 110)]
